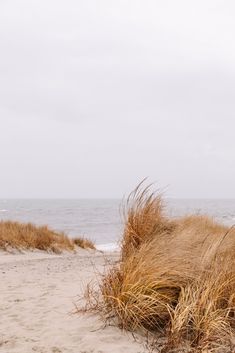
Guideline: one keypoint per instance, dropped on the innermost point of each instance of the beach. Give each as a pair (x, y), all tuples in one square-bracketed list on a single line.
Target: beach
[(39, 294)]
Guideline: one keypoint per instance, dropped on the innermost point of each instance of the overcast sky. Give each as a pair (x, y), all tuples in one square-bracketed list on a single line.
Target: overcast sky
[(97, 95)]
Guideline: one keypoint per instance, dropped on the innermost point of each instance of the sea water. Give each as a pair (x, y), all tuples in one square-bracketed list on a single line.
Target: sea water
[(102, 220)]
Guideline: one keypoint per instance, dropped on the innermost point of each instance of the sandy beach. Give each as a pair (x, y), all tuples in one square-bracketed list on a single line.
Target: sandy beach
[(38, 292)]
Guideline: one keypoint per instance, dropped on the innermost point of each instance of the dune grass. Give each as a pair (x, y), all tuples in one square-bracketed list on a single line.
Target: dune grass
[(175, 277), (84, 243), (143, 215), (27, 236)]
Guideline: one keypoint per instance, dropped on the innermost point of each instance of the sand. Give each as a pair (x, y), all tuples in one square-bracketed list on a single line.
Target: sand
[(37, 297)]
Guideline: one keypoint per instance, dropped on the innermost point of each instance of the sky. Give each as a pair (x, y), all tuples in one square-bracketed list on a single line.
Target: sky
[(97, 95)]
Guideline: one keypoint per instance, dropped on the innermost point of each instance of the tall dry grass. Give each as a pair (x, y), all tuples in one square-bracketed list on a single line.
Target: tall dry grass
[(204, 314), (175, 276), (144, 219), (84, 243), (28, 236)]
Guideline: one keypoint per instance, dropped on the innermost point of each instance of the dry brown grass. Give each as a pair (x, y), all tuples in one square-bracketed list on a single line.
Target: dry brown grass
[(204, 314), (28, 236), (175, 276), (144, 219), (140, 290), (84, 243)]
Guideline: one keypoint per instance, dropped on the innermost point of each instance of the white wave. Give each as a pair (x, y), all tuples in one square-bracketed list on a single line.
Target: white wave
[(107, 247), (3, 210)]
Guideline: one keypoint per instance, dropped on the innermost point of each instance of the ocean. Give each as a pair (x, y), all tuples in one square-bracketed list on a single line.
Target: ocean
[(102, 220)]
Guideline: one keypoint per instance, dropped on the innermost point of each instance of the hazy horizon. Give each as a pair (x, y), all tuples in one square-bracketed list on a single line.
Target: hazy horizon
[(111, 199), (95, 96), (102, 220)]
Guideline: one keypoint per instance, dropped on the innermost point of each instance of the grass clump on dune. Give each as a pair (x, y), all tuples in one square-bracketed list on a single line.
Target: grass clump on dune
[(15, 235), (84, 243), (28, 236), (143, 214), (175, 277)]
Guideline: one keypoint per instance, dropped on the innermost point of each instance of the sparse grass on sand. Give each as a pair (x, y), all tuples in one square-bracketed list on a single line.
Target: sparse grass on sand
[(84, 243), (15, 235), (175, 278)]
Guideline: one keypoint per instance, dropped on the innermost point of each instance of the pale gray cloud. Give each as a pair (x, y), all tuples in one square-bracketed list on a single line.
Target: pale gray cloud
[(94, 96)]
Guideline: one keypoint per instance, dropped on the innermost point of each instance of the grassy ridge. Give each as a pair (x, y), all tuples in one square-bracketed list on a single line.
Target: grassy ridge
[(175, 276), (28, 236)]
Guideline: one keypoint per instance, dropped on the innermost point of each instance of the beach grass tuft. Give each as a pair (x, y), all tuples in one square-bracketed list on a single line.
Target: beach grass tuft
[(175, 277), (27, 236), (84, 243)]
